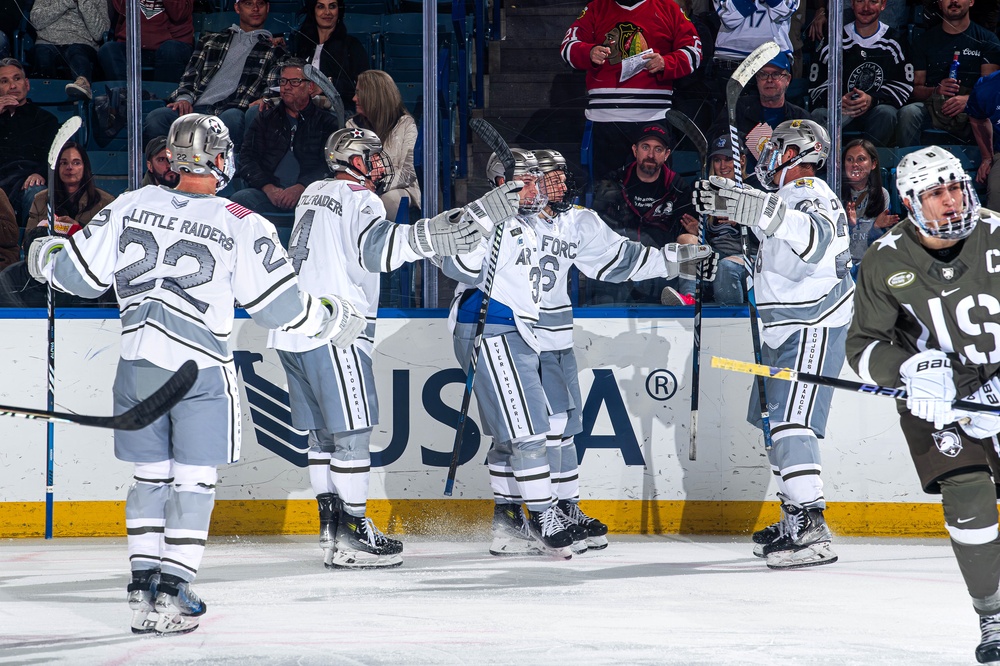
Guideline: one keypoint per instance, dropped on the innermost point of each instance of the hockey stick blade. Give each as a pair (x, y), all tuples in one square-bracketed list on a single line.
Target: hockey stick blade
[(326, 87), (686, 126), (752, 64), (495, 143), (68, 129), (789, 375), (140, 416)]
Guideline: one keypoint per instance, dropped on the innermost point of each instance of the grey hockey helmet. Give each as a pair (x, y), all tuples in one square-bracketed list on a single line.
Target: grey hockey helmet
[(194, 143), (344, 144), (526, 170), (933, 171), (807, 136), (558, 183)]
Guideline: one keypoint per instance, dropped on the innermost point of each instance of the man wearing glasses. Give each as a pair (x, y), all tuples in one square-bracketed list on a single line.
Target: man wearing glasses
[(282, 153)]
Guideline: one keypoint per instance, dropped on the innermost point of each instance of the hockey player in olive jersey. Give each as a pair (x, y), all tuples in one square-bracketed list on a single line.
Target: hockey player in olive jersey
[(572, 235), (927, 316), (341, 240), (178, 259), (804, 293)]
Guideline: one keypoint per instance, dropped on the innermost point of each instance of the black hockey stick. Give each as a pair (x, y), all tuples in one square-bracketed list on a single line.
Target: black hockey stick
[(687, 127), (790, 375), (321, 80), (67, 130), (734, 88), (494, 141), (140, 416)]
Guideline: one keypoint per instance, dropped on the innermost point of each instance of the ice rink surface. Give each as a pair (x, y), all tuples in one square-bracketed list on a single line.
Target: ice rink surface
[(643, 600)]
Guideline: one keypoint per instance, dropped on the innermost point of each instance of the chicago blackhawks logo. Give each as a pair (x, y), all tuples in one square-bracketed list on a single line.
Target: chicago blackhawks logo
[(867, 76), (948, 442), (625, 40)]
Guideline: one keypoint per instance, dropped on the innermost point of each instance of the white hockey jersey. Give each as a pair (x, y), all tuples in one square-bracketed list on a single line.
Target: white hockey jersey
[(178, 262), (802, 276), (340, 244), (746, 25), (515, 283), (580, 237)]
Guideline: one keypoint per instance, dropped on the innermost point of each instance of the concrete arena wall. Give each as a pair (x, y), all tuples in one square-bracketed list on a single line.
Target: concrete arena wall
[(635, 378)]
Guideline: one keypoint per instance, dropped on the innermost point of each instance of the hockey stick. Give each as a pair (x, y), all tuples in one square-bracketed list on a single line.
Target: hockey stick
[(494, 141), (140, 416), (67, 130), (787, 374), (687, 127), (734, 88), (321, 80)]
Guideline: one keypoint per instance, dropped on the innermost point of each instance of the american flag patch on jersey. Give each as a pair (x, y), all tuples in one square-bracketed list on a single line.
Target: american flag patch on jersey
[(356, 188), (238, 210)]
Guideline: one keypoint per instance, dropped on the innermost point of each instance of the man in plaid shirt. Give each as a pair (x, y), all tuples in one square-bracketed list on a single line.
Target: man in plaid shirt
[(228, 72)]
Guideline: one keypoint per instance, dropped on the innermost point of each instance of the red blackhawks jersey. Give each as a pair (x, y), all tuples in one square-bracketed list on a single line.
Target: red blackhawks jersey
[(651, 24)]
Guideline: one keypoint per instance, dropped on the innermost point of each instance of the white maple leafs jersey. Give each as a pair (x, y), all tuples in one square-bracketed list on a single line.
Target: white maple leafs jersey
[(580, 237), (178, 262), (340, 244), (513, 284), (802, 276)]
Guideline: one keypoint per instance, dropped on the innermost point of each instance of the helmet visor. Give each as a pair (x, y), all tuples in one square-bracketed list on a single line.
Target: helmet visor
[(533, 200), (767, 164)]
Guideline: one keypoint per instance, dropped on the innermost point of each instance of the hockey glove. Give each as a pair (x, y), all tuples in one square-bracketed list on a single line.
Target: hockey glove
[(980, 425), (691, 261), (343, 323), (495, 206), (930, 387), (447, 234), (40, 253), (722, 197)]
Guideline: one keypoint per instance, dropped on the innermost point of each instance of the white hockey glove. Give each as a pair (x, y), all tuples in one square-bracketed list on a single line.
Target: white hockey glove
[(446, 234), (722, 197), (343, 323), (980, 425), (40, 253), (495, 206), (691, 261), (930, 387)]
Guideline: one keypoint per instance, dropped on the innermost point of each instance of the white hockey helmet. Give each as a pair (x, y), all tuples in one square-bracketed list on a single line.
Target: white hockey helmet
[(525, 164), (932, 167), (552, 163), (195, 141), (344, 144), (809, 138)]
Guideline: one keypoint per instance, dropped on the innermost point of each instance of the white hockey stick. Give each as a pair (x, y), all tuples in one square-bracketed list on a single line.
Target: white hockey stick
[(68, 129), (734, 88), (321, 80)]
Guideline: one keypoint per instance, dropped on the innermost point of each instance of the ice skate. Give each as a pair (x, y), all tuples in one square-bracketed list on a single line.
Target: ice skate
[(510, 532), (329, 517), (597, 531), (178, 607), (805, 541), (141, 598), (360, 545), (988, 650), (551, 533), (768, 535)]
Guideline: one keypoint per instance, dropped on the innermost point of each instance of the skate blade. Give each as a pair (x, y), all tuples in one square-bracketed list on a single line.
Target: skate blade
[(359, 560), (144, 619), (514, 548), (328, 557), (597, 542), (758, 550), (176, 625), (565, 553), (579, 547), (814, 555)]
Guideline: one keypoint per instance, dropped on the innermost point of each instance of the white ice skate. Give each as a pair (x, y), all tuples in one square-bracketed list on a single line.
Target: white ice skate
[(178, 608), (141, 599)]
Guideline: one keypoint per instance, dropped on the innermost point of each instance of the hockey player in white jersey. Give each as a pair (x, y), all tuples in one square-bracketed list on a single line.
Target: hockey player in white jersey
[(571, 235), (177, 260), (804, 292), (342, 241)]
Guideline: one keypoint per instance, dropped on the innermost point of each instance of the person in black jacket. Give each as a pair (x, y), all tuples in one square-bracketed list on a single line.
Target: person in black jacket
[(282, 151), (322, 39)]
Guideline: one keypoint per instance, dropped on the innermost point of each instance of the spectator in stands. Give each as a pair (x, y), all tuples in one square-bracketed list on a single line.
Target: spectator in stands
[(78, 199), (984, 116), (646, 201), (283, 151), (866, 201), (158, 165), (632, 52), (757, 116), (26, 133), (381, 109), (725, 236), (322, 40), (69, 32), (167, 33), (746, 24), (9, 251), (228, 72), (10, 18), (938, 99), (876, 81)]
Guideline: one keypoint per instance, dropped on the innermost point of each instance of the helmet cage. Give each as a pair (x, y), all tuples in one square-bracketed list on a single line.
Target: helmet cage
[(532, 205), (947, 229), (343, 145)]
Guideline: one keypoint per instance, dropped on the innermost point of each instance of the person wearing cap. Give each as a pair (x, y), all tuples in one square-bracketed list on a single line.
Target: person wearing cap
[(648, 202), (757, 116), (158, 165)]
